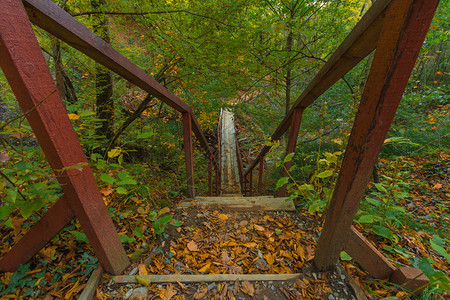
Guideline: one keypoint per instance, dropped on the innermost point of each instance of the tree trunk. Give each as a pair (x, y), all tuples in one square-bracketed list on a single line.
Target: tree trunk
[(63, 82), (103, 78), (288, 72)]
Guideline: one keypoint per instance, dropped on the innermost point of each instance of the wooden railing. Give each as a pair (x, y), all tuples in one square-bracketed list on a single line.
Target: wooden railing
[(396, 29), (50, 17)]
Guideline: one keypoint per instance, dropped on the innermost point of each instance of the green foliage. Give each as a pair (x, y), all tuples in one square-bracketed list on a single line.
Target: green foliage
[(382, 209), (19, 279)]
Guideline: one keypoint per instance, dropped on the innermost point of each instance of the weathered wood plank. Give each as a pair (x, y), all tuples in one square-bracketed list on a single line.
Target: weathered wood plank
[(50, 17), (357, 45), (188, 154), (38, 236), (367, 256), (403, 32), (245, 203), (27, 72), (207, 278), (91, 286), (292, 141), (239, 162)]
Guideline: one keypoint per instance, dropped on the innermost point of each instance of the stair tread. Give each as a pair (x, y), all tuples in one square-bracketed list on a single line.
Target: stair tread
[(268, 203)]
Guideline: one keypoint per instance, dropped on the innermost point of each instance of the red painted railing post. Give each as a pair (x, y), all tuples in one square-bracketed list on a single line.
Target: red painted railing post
[(405, 26), (260, 175), (292, 140), (24, 66), (189, 155), (210, 182)]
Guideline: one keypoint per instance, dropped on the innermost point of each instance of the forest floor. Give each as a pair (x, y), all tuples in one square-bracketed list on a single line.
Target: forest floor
[(214, 241)]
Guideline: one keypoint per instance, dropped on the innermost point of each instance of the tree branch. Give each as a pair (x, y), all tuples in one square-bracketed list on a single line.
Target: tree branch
[(90, 13)]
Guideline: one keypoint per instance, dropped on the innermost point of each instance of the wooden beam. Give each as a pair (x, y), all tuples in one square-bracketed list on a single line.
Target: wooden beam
[(91, 286), (38, 236), (239, 162), (26, 70), (292, 141), (404, 30), (361, 41), (189, 154), (207, 278), (50, 17), (367, 256), (260, 175)]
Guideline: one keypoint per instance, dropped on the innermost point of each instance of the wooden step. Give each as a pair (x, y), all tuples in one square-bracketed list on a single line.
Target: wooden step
[(267, 203)]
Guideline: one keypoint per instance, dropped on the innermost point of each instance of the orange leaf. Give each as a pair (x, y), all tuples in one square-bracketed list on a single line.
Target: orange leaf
[(169, 292), (251, 245), (259, 228), (438, 186), (223, 217), (205, 268), (192, 246), (248, 288), (142, 269)]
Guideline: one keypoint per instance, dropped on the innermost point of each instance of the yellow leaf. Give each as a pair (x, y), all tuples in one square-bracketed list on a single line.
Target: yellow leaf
[(142, 269), (164, 210), (145, 281), (259, 228), (438, 186), (223, 217), (205, 268), (114, 152), (251, 245), (269, 258), (73, 116)]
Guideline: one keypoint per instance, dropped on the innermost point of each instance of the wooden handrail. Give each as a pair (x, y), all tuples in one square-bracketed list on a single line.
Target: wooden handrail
[(50, 17), (361, 41)]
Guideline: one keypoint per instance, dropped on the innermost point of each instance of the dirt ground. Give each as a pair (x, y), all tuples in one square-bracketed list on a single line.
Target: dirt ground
[(215, 241)]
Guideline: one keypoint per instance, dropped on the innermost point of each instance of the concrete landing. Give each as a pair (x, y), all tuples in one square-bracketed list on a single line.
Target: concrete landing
[(266, 203)]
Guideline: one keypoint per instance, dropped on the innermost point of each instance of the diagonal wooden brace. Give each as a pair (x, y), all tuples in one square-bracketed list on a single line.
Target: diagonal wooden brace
[(27, 72), (38, 236), (367, 256), (403, 32)]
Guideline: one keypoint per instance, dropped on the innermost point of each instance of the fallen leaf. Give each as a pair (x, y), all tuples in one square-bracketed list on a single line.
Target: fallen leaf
[(142, 269), (270, 258), (248, 288), (438, 186), (223, 217), (225, 257), (259, 228), (243, 223), (251, 245), (145, 281), (205, 268), (164, 210), (268, 233), (169, 292), (192, 246)]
